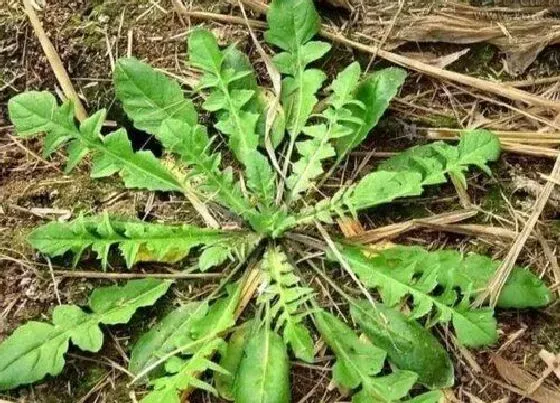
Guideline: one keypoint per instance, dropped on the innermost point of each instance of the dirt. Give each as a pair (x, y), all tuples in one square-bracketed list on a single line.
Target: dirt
[(81, 31)]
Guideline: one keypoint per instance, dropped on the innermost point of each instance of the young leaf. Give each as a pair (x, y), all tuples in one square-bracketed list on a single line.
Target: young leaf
[(374, 93), (111, 154), (149, 97), (160, 339), (37, 349), (474, 327), (230, 358), (336, 116), (263, 374), (136, 240), (292, 24), (409, 346), (358, 361), (286, 297)]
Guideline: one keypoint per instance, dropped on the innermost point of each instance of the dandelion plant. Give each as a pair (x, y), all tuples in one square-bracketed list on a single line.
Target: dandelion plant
[(210, 344)]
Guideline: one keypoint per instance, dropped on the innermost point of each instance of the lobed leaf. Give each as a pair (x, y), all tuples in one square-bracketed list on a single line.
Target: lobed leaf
[(234, 120), (35, 112), (358, 361), (263, 374), (136, 240), (408, 345), (375, 94), (292, 24), (404, 175), (319, 147), (161, 339), (286, 298), (433, 161), (473, 326), (192, 145), (199, 338), (470, 272), (37, 349)]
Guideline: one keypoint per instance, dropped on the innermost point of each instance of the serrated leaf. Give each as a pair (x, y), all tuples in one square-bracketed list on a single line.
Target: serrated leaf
[(375, 94), (200, 341), (235, 121), (472, 272), (136, 240), (287, 300), (433, 161), (403, 175), (112, 153), (292, 24), (37, 349), (263, 374), (409, 346), (149, 97), (160, 339), (313, 151), (475, 327), (193, 147)]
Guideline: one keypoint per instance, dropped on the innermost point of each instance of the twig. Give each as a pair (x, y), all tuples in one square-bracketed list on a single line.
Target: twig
[(393, 230), (500, 277), (55, 62), (118, 276), (344, 263)]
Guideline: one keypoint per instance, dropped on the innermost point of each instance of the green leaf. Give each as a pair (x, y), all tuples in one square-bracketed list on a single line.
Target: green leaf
[(261, 179), (213, 256), (149, 97), (405, 174), (33, 112), (409, 346), (291, 23), (374, 93), (396, 280), (200, 341), (472, 272), (287, 298), (230, 359), (192, 145), (263, 375), (433, 161), (160, 339), (337, 114), (111, 154), (238, 123), (358, 361), (37, 349), (136, 240)]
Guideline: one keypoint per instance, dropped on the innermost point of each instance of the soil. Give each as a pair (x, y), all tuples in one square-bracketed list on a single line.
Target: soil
[(88, 35)]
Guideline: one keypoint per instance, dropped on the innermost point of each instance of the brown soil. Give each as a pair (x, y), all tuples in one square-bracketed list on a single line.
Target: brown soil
[(80, 30)]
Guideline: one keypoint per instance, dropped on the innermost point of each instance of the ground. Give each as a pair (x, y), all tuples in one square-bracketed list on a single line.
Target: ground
[(89, 36)]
